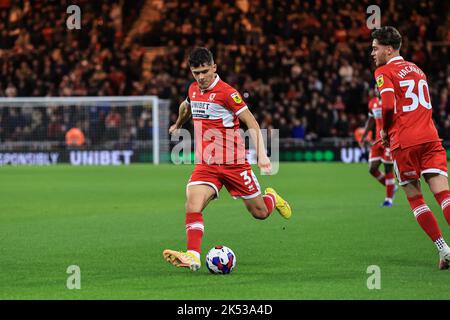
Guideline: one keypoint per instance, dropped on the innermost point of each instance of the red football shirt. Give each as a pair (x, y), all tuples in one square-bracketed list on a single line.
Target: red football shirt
[(375, 112), (214, 110), (412, 122)]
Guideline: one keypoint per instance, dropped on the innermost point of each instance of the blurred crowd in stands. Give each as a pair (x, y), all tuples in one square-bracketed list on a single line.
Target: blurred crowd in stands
[(303, 67)]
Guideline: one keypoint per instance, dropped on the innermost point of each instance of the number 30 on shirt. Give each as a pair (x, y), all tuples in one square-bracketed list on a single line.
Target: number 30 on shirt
[(422, 90)]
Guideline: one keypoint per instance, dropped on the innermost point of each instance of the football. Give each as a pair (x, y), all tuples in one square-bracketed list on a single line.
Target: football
[(220, 260)]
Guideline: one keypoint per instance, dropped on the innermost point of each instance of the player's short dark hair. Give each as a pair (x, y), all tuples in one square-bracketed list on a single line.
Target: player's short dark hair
[(388, 36), (200, 56)]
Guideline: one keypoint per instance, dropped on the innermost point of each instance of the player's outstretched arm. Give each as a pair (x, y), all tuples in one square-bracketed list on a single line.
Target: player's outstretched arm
[(257, 139), (184, 113)]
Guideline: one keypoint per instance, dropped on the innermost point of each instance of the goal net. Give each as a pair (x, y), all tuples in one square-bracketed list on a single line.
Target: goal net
[(110, 130)]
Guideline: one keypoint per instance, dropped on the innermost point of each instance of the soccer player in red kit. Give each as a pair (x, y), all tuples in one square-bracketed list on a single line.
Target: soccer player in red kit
[(216, 109), (409, 130), (378, 153)]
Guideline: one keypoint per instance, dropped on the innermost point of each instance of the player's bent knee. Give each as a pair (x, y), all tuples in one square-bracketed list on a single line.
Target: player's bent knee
[(260, 217), (193, 206), (259, 213), (437, 182)]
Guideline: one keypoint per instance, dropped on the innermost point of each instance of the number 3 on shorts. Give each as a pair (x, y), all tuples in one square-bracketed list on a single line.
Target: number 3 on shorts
[(247, 179)]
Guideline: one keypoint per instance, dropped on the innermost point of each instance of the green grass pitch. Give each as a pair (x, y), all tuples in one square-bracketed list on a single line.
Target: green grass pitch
[(114, 223)]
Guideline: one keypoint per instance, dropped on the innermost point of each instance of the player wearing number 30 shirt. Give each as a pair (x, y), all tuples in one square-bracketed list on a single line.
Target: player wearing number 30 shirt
[(409, 118), (409, 130)]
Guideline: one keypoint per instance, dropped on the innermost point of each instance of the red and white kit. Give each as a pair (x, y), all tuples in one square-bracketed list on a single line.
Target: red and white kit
[(414, 141), (378, 151), (219, 146)]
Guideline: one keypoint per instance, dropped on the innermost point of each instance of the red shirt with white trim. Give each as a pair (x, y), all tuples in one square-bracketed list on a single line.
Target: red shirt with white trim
[(375, 112), (214, 110), (412, 122)]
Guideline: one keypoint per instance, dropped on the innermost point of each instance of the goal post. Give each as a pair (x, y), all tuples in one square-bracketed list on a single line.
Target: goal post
[(136, 124)]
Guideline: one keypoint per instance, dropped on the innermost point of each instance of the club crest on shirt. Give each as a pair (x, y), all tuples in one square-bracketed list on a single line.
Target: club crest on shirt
[(236, 97), (380, 81), (212, 96)]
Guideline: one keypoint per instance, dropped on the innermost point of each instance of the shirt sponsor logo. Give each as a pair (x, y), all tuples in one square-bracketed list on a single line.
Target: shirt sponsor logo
[(199, 109)]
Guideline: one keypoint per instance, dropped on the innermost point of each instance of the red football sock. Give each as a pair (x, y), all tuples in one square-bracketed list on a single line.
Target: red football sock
[(194, 230), (390, 185), (443, 198), (425, 217), (269, 200), (377, 174)]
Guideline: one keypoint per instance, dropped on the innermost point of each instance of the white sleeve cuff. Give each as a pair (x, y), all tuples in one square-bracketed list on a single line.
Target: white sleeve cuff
[(386, 90), (240, 110)]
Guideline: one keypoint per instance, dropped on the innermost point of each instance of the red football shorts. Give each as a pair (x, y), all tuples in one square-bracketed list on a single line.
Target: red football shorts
[(239, 179), (414, 161), (379, 152)]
